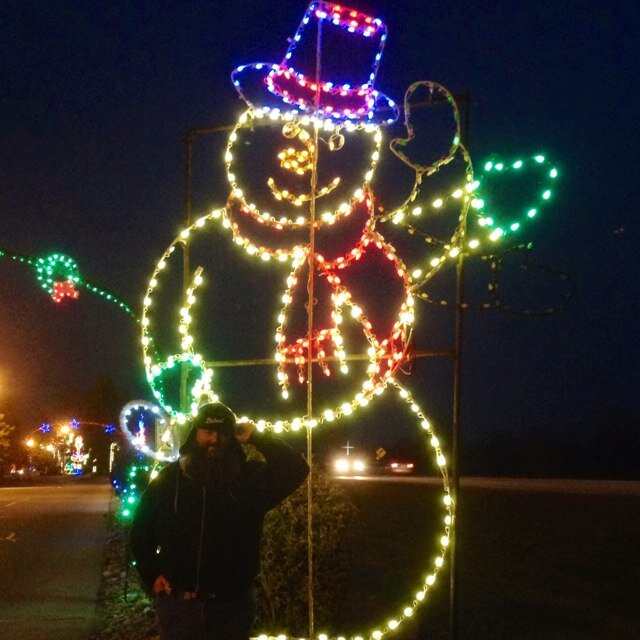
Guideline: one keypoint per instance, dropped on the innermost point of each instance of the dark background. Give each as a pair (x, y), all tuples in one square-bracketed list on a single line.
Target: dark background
[(96, 99)]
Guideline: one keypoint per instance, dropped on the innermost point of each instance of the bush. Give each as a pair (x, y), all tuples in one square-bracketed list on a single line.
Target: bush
[(282, 596)]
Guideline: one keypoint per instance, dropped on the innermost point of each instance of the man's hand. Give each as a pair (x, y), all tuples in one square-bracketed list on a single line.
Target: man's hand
[(161, 585), (243, 430)]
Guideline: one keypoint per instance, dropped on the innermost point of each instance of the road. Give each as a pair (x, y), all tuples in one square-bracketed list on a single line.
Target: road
[(52, 539), (524, 485)]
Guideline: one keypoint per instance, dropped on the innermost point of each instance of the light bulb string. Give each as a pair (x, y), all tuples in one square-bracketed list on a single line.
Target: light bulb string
[(46, 270), (495, 287)]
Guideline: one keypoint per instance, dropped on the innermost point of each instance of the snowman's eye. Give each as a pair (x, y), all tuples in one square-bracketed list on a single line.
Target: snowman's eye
[(336, 142), (290, 130)]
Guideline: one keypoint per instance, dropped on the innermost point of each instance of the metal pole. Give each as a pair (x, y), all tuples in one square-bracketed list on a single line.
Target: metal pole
[(356, 357), (184, 371), (310, 291), (457, 390)]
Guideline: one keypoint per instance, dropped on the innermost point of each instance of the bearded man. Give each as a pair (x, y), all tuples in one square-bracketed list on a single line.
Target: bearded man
[(196, 531)]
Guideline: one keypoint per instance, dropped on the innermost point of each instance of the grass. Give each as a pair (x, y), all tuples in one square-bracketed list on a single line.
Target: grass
[(530, 566)]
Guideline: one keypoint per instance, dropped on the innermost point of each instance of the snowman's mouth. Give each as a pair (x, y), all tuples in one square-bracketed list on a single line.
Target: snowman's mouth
[(299, 199)]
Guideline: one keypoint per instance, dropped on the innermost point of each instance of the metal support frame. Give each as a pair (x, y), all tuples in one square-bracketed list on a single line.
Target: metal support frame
[(454, 354), (465, 102)]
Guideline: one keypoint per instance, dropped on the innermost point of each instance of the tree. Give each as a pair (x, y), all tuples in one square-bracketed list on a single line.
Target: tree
[(101, 403), (5, 439)]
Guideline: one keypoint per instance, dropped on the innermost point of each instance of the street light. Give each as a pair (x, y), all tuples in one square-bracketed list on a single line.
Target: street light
[(30, 443)]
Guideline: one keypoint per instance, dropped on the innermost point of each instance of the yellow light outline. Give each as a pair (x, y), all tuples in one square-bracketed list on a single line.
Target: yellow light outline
[(408, 609), (275, 114)]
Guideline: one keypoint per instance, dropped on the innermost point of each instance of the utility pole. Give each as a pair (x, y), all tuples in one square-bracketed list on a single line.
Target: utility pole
[(464, 102)]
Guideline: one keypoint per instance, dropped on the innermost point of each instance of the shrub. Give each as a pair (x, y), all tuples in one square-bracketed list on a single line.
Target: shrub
[(282, 596)]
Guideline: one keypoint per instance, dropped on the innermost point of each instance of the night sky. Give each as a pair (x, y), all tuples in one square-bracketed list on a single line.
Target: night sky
[(96, 99)]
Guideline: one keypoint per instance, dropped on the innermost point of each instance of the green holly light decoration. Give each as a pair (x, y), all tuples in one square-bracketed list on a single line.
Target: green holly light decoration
[(59, 275), (493, 220)]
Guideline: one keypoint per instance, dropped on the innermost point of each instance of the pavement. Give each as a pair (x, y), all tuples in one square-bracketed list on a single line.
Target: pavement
[(52, 537)]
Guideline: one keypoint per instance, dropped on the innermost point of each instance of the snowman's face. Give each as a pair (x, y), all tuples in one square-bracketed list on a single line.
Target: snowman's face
[(270, 166)]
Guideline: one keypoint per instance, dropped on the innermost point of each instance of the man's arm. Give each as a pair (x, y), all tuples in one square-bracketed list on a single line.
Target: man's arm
[(285, 470)]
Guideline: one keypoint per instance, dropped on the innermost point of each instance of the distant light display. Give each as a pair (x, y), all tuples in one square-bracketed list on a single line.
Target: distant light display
[(78, 456), (137, 418)]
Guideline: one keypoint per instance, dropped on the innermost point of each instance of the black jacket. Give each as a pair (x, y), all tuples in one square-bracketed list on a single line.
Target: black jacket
[(205, 540)]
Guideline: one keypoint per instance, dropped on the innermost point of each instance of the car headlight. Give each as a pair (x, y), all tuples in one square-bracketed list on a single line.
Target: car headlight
[(359, 465)]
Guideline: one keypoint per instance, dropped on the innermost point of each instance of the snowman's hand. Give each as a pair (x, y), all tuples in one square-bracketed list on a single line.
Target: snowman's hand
[(426, 148)]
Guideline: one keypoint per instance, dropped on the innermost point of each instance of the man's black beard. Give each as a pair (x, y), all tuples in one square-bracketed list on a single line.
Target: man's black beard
[(215, 467)]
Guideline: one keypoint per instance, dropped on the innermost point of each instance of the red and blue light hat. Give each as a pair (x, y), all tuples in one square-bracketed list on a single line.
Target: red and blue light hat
[(268, 85)]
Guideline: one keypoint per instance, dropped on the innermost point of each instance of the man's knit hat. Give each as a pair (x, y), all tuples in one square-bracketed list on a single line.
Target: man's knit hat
[(214, 416)]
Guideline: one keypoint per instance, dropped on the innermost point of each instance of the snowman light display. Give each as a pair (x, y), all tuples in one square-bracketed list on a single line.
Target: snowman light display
[(300, 162), (330, 127)]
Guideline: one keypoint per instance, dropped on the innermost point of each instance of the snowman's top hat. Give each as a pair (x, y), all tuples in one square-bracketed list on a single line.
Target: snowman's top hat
[(356, 36)]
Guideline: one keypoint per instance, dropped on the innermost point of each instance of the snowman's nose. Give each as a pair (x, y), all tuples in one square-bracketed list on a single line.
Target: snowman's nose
[(298, 161)]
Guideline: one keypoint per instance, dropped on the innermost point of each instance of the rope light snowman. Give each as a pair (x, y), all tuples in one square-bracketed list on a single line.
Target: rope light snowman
[(300, 164), (345, 121)]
